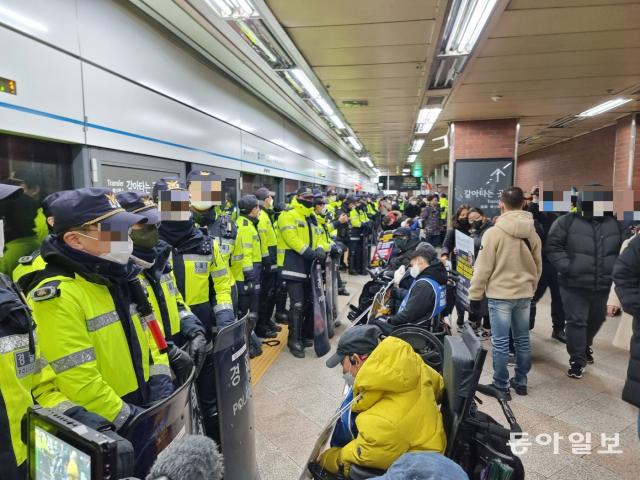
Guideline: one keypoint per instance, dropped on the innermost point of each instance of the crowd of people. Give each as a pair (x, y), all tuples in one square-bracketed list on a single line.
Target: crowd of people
[(81, 256)]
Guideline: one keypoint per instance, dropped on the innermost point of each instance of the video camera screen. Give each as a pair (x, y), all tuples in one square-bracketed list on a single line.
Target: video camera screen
[(57, 460)]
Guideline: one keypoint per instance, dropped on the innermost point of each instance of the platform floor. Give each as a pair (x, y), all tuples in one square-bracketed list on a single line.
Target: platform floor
[(295, 398)]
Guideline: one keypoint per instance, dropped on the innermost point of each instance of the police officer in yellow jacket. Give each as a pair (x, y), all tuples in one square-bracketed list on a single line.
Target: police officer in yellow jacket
[(25, 377), (201, 274), (254, 251), (269, 238), (298, 245), (282, 314), (89, 329), (35, 261), (206, 194)]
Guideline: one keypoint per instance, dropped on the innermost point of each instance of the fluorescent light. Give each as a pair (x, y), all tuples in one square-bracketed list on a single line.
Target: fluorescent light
[(412, 158), (256, 41), (355, 143), (369, 162), (324, 106), (471, 18), (604, 107), (416, 146), (246, 7), (337, 122), (377, 171), (364, 159), (305, 82), (233, 8), (426, 119), (406, 170), (220, 7)]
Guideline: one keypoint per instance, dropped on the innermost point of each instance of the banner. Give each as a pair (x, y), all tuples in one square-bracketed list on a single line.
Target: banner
[(383, 249), (465, 261)]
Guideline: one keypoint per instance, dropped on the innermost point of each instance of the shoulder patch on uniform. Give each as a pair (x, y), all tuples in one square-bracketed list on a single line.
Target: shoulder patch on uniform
[(28, 259), (44, 293)]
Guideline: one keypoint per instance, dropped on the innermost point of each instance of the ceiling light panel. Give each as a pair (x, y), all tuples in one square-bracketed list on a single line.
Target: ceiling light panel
[(416, 146), (411, 158), (324, 106), (364, 159), (426, 119), (337, 122), (470, 18), (233, 8), (354, 143), (604, 107), (305, 83)]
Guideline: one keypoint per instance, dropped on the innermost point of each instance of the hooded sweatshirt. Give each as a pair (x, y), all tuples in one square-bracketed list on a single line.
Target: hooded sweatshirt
[(505, 266), (398, 412)]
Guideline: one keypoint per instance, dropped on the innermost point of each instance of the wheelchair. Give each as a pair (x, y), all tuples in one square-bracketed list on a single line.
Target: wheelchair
[(474, 439)]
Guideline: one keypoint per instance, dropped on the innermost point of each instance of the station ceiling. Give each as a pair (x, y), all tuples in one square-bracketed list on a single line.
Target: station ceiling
[(545, 59)]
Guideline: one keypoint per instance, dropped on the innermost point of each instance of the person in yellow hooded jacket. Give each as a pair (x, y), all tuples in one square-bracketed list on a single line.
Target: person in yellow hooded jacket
[(398, 410)]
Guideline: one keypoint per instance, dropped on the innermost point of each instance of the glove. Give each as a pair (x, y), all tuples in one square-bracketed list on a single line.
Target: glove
[(266, 263), (249, 287), (320, 254), (198, 350), (180, 363), (309, 255), (335, 251), (399, 274), (476, 307)]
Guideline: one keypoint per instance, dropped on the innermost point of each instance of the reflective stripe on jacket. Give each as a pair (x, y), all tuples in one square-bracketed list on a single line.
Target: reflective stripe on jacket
[(254, 250), (268, 237), (295, 238)]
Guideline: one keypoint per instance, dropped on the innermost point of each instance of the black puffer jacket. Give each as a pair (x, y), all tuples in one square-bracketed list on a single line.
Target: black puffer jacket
[(584, 249), (626, 275), (403, 253)]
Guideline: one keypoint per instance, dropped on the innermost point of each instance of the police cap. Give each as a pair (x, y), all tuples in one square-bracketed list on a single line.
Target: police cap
[(10, 192), (352, 199), (168, 183), (90, 206), (49, 199), (330, 192), (141, 203), (199, 176), (247, 203), (304, 192), (262, 193)]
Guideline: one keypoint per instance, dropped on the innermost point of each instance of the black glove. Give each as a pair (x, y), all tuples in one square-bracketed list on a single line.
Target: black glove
[(320, 254), (249, 287), (180, 363), (335, 251), (266, 263), (198, 350), (309, 255), (476, 307)]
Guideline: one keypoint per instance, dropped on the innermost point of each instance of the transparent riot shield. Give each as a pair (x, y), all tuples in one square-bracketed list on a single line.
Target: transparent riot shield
[(235, 402), (329, 294)]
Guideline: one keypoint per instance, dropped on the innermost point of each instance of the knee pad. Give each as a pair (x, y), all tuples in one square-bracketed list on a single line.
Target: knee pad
[(297, 309)]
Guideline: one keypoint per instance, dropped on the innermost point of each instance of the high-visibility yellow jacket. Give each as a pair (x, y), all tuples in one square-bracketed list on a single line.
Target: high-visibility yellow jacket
[(444, 207), (28, 264), (16, 249), (91, 335), (23, 378), (401, 204), (297, 235), (268, 237), (41, 228), (253, 249), (370, 210), (398, 412), (203, 280)]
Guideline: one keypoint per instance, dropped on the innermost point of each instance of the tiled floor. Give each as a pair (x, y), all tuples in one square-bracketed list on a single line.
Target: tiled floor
[(296, 397)]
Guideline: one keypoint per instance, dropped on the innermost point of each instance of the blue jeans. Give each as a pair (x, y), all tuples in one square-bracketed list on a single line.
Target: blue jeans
[(433, 240), (506, 315)]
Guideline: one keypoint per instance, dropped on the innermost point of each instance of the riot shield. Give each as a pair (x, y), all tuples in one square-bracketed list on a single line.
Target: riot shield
[(328, 294), (235, 402), (156, 428), (321, 343), (366, 257)]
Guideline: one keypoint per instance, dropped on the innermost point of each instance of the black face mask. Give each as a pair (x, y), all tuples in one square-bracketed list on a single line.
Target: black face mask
[(477, 224), (464, 221), (146, 237), (306, 203)]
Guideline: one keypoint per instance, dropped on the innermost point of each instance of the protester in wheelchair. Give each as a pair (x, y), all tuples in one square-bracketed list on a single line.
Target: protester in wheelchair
[(398, 410), (404, 244), (426, 296)]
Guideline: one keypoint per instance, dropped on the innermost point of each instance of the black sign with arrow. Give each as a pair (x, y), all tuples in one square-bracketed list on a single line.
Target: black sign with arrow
[(479, 183)]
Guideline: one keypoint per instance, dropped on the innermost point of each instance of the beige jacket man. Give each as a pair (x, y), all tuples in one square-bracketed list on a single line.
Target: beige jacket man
[(505, 268)]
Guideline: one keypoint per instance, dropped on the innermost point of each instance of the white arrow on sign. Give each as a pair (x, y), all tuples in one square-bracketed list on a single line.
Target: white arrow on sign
[(497, 173)]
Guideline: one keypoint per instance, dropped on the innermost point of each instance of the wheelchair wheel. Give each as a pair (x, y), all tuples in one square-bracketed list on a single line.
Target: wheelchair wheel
[(424, 344)]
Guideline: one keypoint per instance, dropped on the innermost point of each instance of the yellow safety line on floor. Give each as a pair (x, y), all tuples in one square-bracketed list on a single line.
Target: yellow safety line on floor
[(260, 365)]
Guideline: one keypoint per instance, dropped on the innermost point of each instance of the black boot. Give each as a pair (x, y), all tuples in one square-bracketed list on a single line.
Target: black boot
[(295, 344), (352, 263), (267, 312), (282, 315), (211, 424)]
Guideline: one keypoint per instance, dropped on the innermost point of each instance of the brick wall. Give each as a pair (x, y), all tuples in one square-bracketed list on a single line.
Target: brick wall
[(485, 139), (621, 155), (581, 160)]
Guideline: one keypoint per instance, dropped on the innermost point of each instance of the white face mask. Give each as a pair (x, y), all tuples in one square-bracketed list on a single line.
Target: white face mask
[(415, 271), (333, 198), (350, 379), (202, 204), (413, 203), (1, 238), (120, 251), (324, 210)]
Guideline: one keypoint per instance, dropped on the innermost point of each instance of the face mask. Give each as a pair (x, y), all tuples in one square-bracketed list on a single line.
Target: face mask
[(463, 221), (202, 205), (413, 203), (146, 237), (400, 242), (415, 271), (333, 198), (350, 379), (477, 224), (1, 238), (120, 251), (305, 203), (324, 210)]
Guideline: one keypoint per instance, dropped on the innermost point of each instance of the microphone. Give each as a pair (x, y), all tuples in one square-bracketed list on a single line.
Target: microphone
[(192, 457)]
